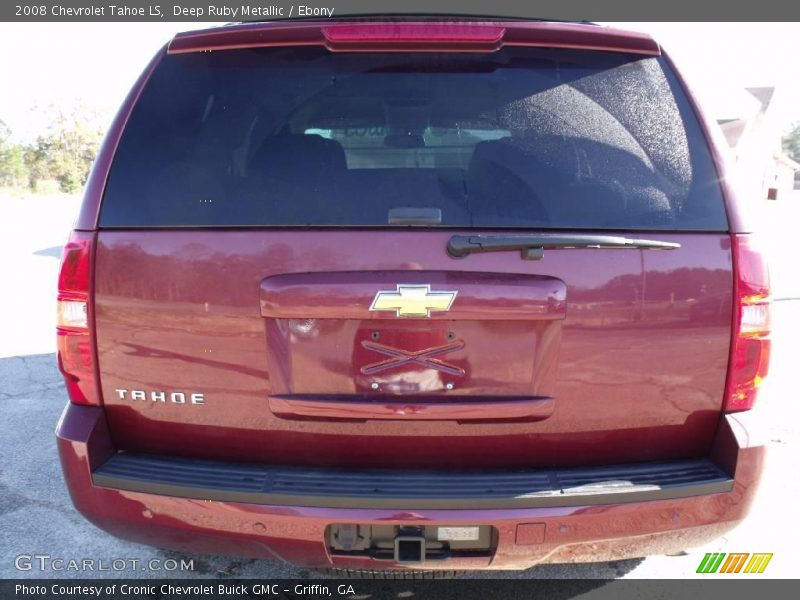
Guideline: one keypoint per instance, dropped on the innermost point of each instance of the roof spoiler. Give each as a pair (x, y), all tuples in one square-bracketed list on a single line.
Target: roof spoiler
[(415, 36)]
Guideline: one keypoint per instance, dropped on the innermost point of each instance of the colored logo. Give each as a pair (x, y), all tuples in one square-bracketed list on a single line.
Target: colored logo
[(737, 562), (413, 301)]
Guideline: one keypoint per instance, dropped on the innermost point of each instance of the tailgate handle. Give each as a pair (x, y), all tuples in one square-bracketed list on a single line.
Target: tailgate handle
[(398, 408), (532, 246)]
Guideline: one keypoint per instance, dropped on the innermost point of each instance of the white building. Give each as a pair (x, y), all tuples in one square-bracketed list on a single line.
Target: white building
[(754, 141)]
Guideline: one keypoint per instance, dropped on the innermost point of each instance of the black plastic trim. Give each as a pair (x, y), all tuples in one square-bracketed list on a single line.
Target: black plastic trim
[(407, 489)]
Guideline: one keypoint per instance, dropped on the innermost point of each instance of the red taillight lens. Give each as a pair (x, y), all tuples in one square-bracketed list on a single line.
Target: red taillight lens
[(387, 37), (76, 355), (749, 361)]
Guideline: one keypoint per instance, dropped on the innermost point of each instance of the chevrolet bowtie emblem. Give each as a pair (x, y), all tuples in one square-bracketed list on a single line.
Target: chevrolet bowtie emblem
[(413, 301)]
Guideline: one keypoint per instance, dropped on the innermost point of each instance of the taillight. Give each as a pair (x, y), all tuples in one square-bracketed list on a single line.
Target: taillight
[(413, 32), (76, 353), (452, 37), (750, 348)]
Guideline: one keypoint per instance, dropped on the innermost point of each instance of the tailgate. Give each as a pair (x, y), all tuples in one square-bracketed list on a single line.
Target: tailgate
[(587, 357)]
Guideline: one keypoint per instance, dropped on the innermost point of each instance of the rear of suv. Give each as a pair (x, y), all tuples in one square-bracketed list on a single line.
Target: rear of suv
[(397, 294)]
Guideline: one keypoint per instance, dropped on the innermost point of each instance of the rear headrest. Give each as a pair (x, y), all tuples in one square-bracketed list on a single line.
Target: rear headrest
[(570, 181), (501, 182), (515, 154), (292, 157)]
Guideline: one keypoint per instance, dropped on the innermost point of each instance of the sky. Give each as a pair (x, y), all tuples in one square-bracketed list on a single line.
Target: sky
[(719, 60), (95, 64)]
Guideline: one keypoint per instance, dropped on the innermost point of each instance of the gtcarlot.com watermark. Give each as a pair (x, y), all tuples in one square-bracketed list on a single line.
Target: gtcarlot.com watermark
[(48, 563)]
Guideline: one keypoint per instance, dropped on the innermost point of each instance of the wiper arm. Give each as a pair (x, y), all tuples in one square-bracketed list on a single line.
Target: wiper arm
[(533, 246)]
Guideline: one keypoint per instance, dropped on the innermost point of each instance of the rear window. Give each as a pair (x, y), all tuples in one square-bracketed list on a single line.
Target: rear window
[(520, 138)]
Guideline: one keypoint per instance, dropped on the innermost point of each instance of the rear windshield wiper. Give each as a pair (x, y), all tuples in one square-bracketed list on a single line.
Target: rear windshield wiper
[(533, 246)]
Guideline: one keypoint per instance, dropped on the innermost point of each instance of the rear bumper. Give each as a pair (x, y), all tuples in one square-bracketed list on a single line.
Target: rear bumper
[(585, 528)]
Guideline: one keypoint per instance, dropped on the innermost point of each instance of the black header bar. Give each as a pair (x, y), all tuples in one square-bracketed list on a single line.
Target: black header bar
[(243, 10)]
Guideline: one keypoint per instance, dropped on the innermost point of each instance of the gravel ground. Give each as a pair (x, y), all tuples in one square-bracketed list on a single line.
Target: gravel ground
[(36, 516)]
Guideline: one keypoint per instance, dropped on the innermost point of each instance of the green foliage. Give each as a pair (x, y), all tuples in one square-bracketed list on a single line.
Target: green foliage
[(63, 153), (12, 160), (791, 142)]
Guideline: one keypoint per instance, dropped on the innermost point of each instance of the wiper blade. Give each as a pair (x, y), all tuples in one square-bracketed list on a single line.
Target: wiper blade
[(533, 246)]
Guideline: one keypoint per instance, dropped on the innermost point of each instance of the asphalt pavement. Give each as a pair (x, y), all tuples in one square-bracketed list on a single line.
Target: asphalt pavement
[(36, 515)]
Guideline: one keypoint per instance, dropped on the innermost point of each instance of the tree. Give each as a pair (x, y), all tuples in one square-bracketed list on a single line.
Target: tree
[(791, 142), (65, 151), (12, 159)]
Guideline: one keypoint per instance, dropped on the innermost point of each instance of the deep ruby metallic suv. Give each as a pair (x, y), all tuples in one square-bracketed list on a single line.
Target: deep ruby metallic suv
[(428, 295)]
